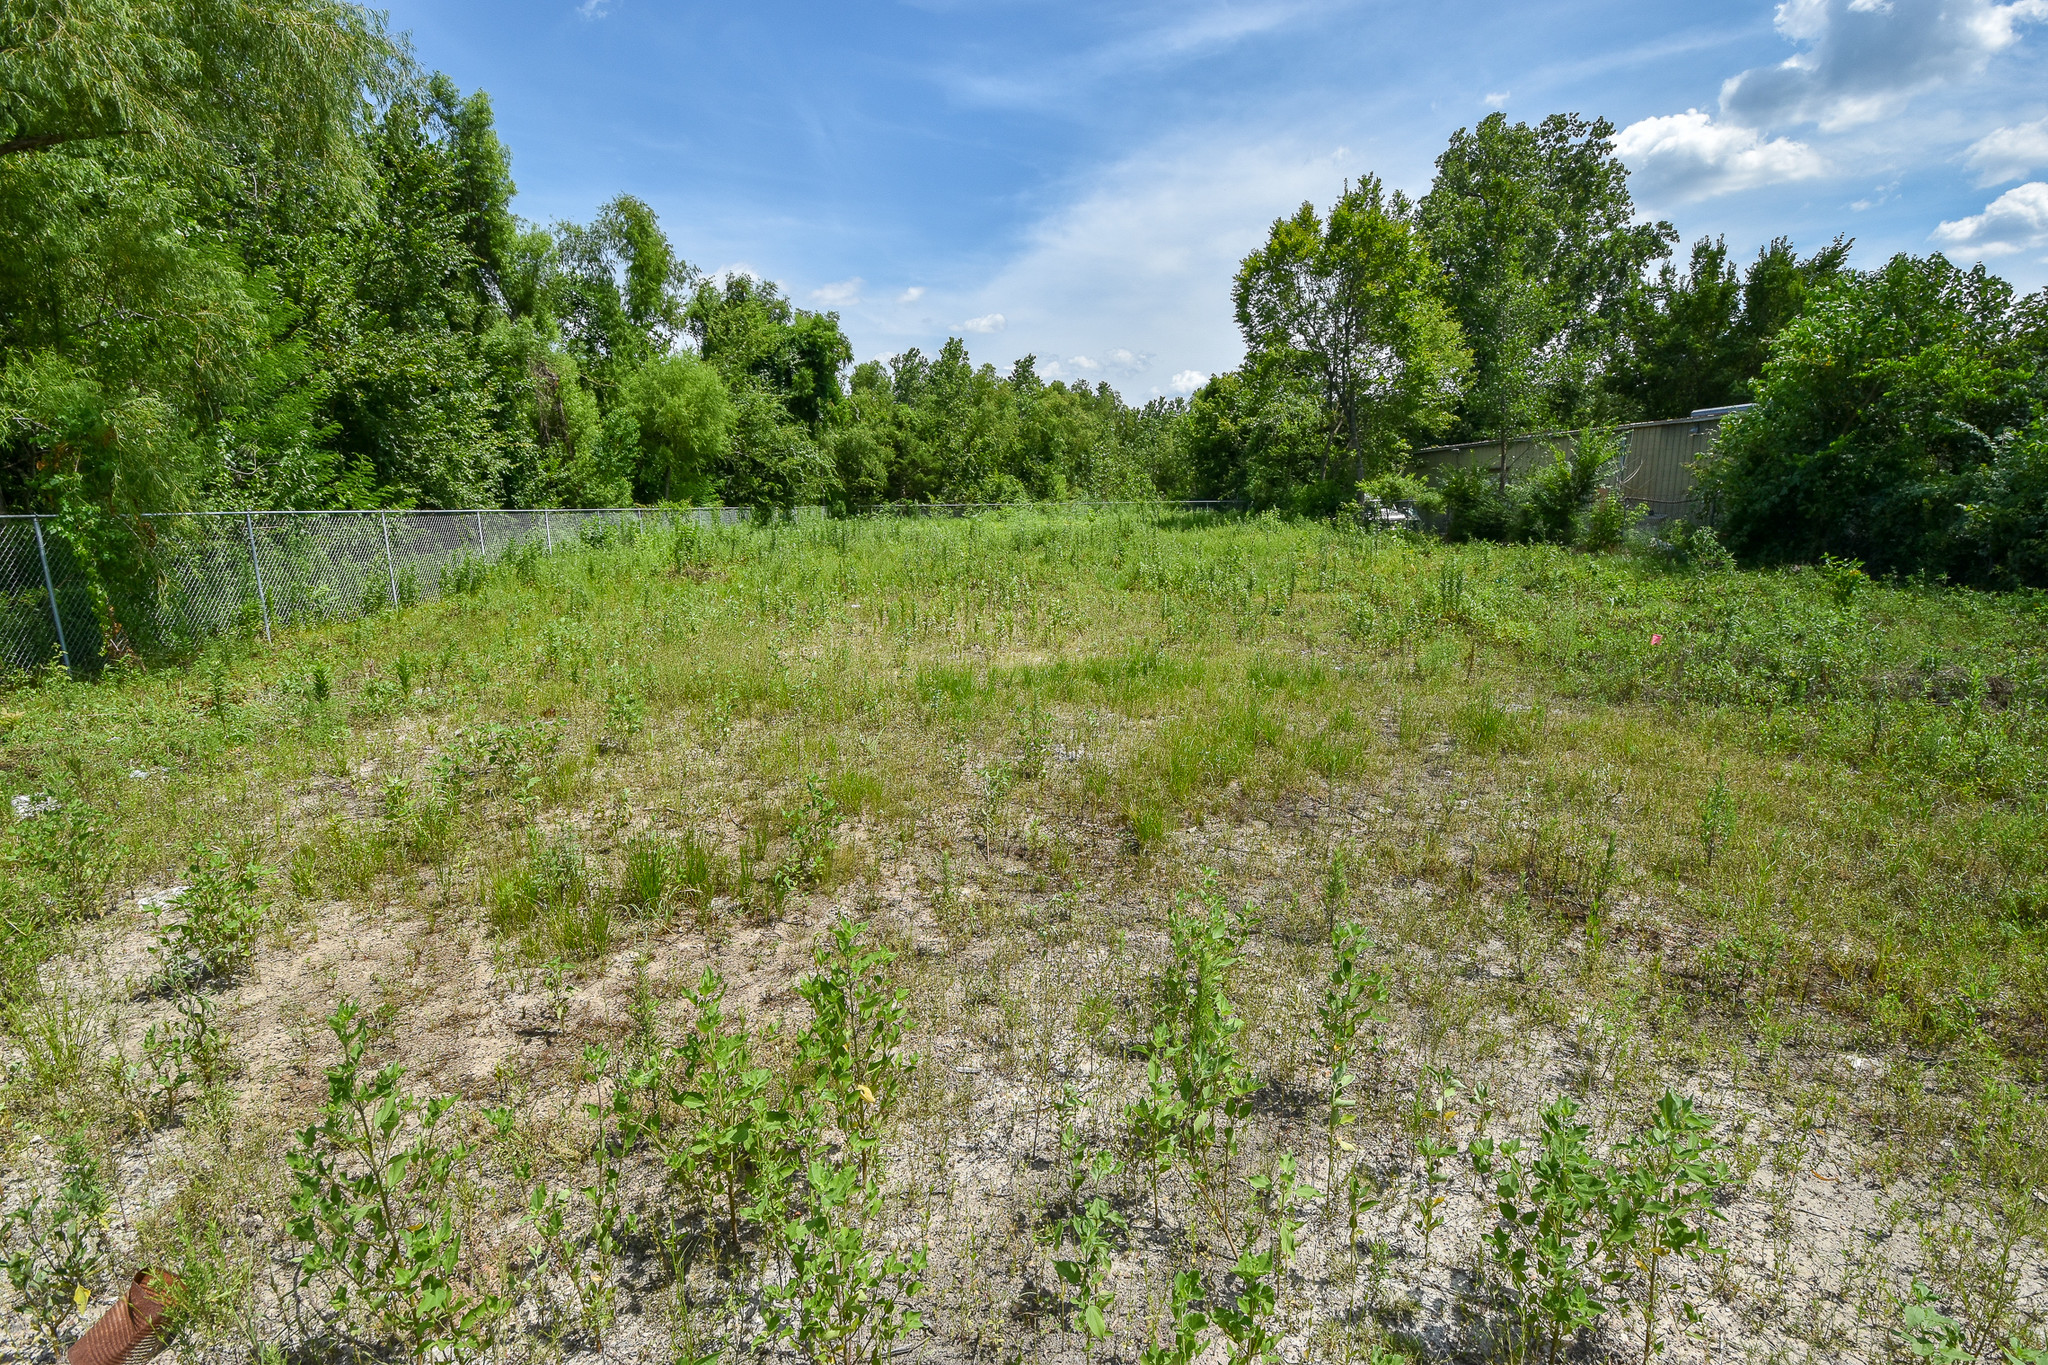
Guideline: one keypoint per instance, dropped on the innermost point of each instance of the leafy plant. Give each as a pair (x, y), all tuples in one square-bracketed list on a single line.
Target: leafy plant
[(1087, 1228), (1716, 813), (1247, 1322), (1354, 999), (1664, 1198), (1185, 1322), (55, 1248), (186, 1050), (1554, 1209), (625, 714), (374, 1206), (589, 1256), (214, 936), (854, 1046), (1434, 1116), (1197, 1088), (813, 830), (845, 1301), (734, 1130)]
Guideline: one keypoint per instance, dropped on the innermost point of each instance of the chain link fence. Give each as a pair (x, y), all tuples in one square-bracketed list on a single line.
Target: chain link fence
[(189, 575), (195, 574)]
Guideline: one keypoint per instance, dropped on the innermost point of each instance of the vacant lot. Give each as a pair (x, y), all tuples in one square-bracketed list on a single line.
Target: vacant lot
[(1230, 896)]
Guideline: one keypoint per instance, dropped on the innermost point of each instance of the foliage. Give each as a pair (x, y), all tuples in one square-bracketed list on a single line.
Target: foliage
[(1354, 999), (854, 1046), (1536, 236), (189, 1049), (1352, 303), (55, 1248), (1552, 1239), (1897, 423), (214, 934), (589, 1255), (1564, 502), (846, 1301), (1247, 1321), (1664, 1193), (1197, 1087), (1700, 339), (374, 1210), (734, 1130)]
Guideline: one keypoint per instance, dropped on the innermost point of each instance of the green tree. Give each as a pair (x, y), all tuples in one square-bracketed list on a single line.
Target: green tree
[(682, 424), (1897, 423), (188, 77), (1536, 236), (1700, 339), (1350, 303)]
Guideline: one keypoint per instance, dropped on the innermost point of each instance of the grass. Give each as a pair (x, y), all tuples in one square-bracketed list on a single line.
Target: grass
[(1610, 827)]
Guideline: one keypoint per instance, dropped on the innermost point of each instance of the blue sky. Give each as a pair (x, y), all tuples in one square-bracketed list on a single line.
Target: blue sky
[(1079, 181)]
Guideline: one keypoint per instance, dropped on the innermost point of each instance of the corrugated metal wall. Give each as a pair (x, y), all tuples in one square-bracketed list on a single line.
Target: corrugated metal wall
[(1656, 462)]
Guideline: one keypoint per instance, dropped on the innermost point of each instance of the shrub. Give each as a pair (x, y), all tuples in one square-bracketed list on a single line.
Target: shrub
[(1896, 424), (214, 937)]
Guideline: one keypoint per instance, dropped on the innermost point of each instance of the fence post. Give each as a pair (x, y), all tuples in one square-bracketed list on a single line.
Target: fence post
[(480, 534), (390, 566), (547, 528), (50, 586), (249, 524)]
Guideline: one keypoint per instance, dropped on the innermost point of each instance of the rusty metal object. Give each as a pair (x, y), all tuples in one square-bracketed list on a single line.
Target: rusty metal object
[(126, 1334)]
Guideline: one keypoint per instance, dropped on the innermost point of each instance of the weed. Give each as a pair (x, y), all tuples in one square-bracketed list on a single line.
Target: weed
[(589, 1256), (734, 1131), (854, 1046), (1554, 1213), (813, 832), (55, 1248), (188, 1049), (373, 1206), (1354, 999), (1434, 1119), (214, 936), (59, 1034), (1184, 1324), (1716, 818), (651, 874), (1197, 1087), (845, 1302), (625, 714), (1664, 1199), (1248, 1321)]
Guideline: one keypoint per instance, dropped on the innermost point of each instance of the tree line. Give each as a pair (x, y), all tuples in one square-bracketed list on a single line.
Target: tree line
[(252, 254)]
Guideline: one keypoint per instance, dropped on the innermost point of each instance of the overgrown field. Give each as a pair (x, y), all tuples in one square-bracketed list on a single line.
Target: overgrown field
[(1122, 937)]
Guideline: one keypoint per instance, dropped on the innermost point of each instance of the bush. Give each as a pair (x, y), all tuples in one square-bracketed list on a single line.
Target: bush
[(1561, 503), (1897, 424)]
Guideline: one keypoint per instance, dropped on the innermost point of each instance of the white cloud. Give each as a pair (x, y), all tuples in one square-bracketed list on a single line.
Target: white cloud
[(1690, 156), (1140, 259), (1187, 381), (911, 295), (987, 323), (2015, 221), (1497, 99), (840, 295), (1149, 41), (1862, 60), (2009, 153), (594, 9)]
